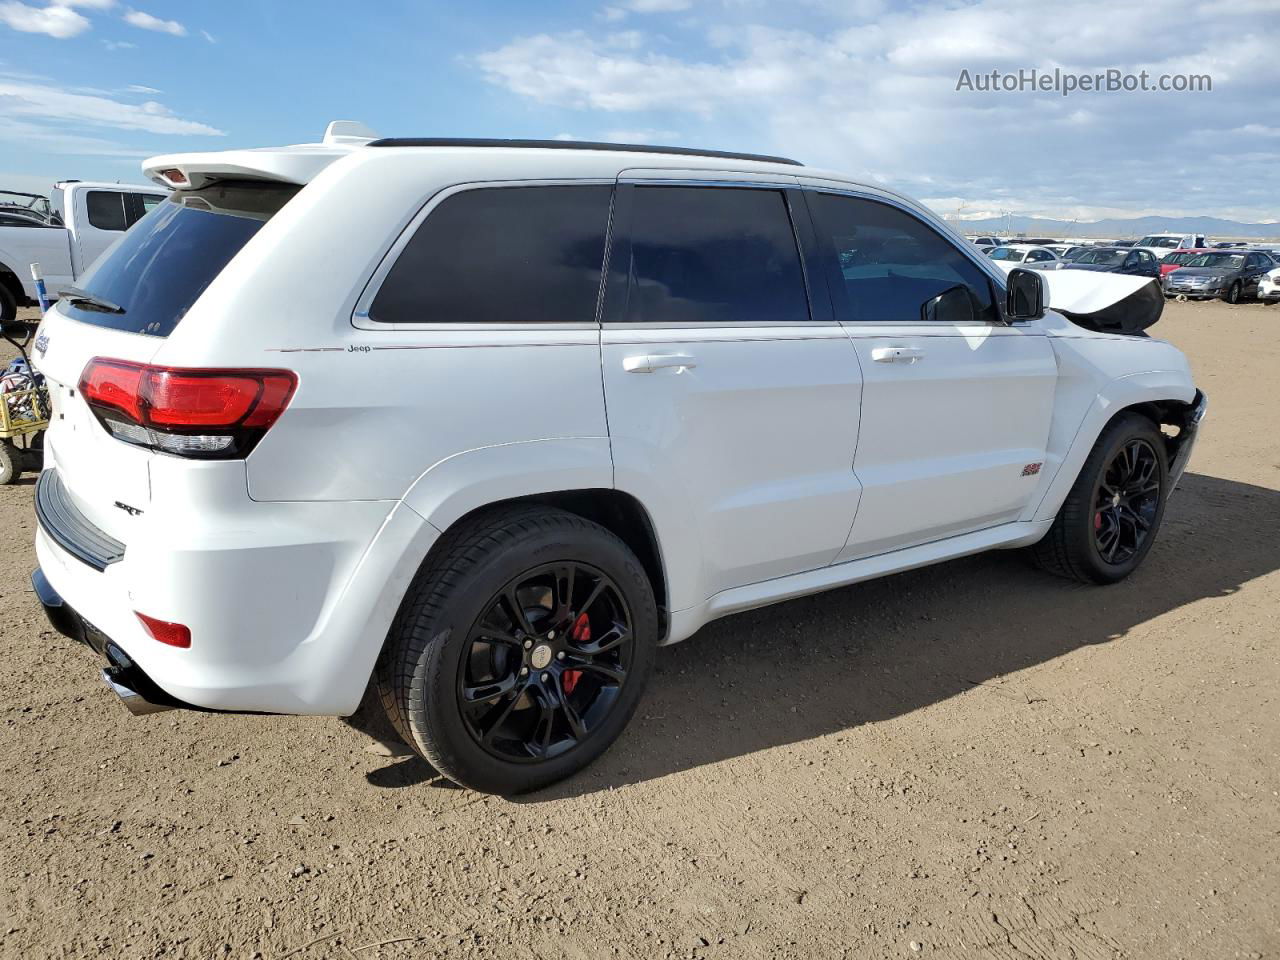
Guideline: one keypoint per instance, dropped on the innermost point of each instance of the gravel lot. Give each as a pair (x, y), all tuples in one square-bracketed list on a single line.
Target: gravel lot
[(970, 761)]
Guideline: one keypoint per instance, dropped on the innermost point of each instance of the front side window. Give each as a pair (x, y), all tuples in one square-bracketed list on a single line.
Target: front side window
[(502, 255), (713, 255), (892, 264), (106, 210)]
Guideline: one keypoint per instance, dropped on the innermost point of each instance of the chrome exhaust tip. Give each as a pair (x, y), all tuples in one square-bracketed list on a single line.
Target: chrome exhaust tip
[(118, 682)]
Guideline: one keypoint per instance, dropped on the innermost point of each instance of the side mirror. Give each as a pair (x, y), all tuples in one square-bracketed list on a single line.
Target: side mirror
[(1024, 295), (953, 307)]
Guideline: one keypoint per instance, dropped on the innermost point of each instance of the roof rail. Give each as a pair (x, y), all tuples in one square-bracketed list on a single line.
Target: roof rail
[(575, 145)]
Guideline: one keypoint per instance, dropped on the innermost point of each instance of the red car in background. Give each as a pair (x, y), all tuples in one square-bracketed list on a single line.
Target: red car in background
[(1174, 259)]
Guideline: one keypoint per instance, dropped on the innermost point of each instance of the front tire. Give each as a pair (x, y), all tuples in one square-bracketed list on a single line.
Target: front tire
[(1233, 293), (521, 650), (1110, 518), (10, 463)]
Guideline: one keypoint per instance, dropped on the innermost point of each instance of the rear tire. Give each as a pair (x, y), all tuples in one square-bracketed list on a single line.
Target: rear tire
[(521, 649), (1106, 527)]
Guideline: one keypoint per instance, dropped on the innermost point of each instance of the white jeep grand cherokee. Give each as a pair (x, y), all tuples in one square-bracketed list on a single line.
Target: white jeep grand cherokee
[(477, 425)]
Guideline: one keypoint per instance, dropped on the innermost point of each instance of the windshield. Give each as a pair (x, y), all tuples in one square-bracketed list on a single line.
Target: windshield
[(1229, 261), (1110, 258), (1075, 253), (1176, 257), (159, 268), (1008, 253), (1155, 240)]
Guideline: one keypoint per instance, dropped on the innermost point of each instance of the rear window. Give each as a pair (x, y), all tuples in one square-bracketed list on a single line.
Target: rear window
[(159, 268)]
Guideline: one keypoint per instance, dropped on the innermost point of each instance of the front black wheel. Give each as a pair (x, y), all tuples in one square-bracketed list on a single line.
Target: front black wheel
[(1233, 293), (1109, 520), (522, 650)]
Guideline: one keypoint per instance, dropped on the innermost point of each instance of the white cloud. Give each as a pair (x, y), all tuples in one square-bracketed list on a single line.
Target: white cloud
[(878, 98), (208, 36), (88, 4), (139, 88), (56, 21), (650, 136), (146, 21), (119, 45), (657, 6), (59, 110)]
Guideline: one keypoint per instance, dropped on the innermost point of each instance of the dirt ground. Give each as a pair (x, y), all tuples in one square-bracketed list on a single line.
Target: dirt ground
[(970, 761)]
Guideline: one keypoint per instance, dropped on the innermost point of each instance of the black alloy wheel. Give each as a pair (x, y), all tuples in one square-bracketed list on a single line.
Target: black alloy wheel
[(1126, 502), (546, 662)]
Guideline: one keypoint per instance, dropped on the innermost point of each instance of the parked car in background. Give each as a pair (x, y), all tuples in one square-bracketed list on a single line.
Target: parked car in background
[(1118, 243), (492, 558), (1161, 243), (1269, 285), (1020, 255), (1131, 262), (985, 241), (85, 219), (1231, 275), (1178, 258), (1066, 251)]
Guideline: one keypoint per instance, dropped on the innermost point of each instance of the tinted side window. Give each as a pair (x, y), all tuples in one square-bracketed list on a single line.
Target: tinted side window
[(106, 210), (890, 263), (714, 255), (502, 255)]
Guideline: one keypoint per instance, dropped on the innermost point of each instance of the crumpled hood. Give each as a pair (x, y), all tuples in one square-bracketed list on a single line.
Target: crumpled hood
[(1107, 302)]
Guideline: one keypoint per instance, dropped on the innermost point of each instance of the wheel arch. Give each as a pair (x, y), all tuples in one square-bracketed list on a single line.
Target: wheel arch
[(1166, 398), (571, 474)]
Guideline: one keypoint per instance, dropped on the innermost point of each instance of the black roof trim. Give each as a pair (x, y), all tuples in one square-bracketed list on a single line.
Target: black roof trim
[(575, 145)]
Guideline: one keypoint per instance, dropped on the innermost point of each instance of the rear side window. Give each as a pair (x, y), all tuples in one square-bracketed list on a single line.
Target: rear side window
[(714, 255), (156, 271), (106, 210), (891, 263), (502, 255)]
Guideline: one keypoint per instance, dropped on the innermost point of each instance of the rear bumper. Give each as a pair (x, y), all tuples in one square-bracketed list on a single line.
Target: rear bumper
[(288, 604), (136, 691)]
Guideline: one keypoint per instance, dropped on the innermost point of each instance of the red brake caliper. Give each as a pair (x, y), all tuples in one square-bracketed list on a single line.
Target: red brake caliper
[(581, 633)]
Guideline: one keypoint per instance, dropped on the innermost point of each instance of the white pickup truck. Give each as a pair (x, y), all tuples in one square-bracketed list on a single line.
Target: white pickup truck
[(87, 218)]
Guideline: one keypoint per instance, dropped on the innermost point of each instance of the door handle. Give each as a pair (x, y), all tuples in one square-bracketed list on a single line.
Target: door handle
[(652, 363), (897, 354)]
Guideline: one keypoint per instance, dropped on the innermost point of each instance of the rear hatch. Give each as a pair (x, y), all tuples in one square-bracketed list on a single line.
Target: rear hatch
[(123, 309)]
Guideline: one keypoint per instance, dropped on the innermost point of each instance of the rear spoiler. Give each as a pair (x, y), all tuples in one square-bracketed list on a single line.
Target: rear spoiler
[(297, 164)]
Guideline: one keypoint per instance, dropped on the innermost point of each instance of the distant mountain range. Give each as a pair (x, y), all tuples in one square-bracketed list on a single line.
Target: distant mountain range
[(1212, 227)]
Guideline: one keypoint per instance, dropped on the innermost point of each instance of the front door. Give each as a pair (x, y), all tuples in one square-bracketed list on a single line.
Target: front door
[(732, 407), (955, 409)]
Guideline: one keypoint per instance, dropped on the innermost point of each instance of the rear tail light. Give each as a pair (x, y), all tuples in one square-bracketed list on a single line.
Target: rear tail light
[(205, 414), (173, 634)]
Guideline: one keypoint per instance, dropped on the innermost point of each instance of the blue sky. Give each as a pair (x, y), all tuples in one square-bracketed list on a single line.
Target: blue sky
[(88, 88)]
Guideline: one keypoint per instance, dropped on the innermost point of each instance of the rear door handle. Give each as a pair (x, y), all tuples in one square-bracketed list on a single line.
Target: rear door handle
[(897, 354), (652, 363)]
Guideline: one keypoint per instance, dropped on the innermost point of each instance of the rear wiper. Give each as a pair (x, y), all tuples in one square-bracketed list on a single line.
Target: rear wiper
[(91, 300)]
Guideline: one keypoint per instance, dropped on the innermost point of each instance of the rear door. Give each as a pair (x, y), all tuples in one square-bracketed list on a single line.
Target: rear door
[(732, 407), (955, 415)]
